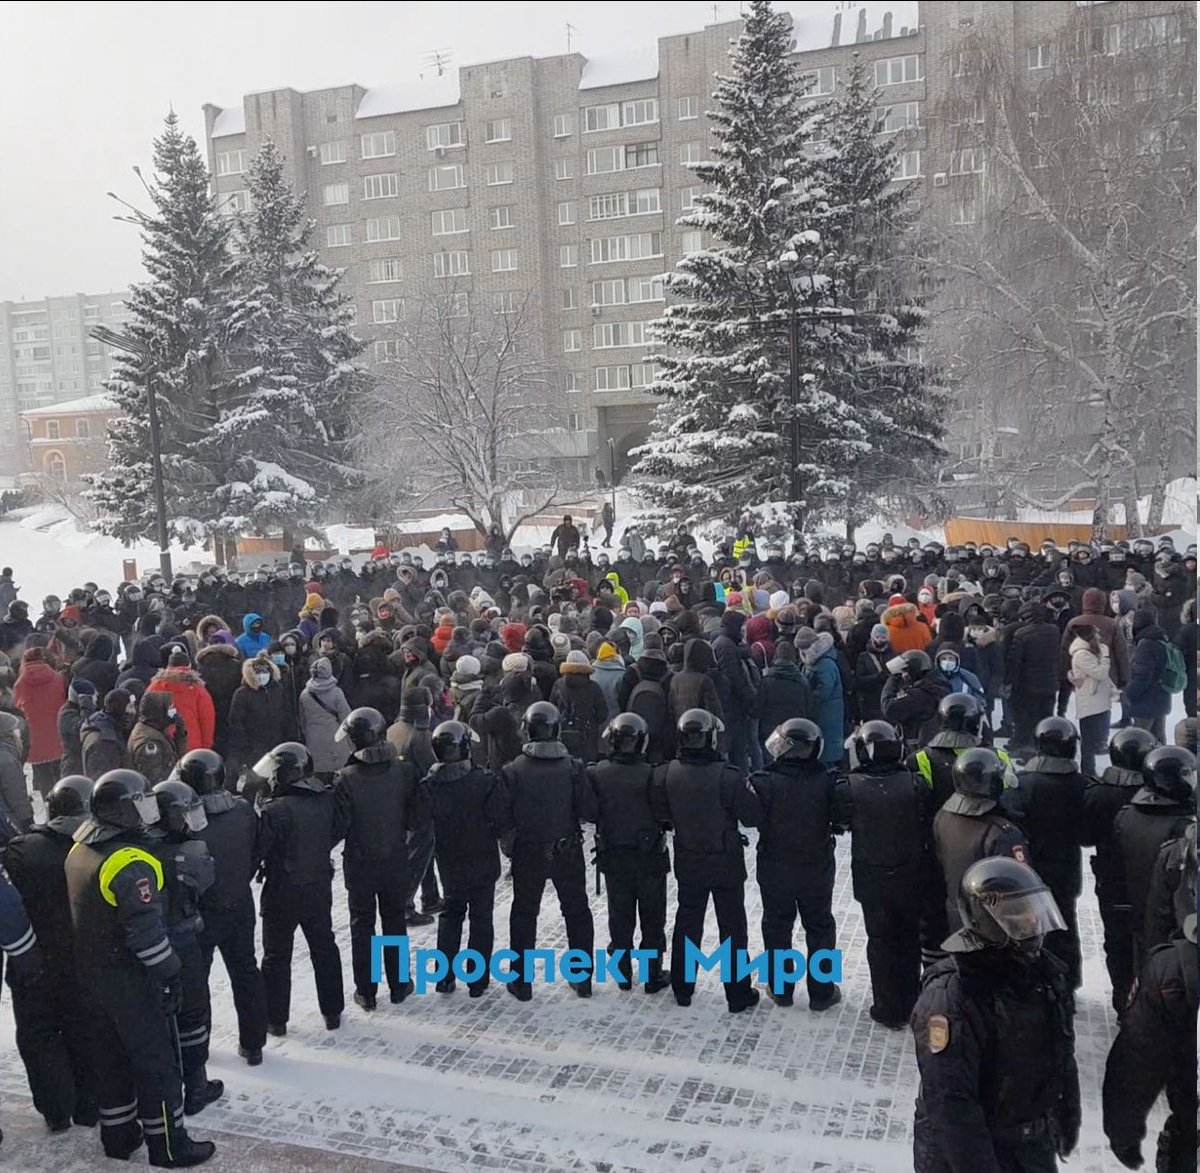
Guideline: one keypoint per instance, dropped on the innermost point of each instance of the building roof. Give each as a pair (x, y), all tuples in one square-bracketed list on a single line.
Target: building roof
[(814, 25), (423, 94), (92, 403), (231, 120), (614, 69)]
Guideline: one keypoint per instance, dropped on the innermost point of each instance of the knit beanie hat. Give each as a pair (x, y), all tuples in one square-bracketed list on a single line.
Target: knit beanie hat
[(178, 658), (466, 668), (515, 662), (880, 631), (560, 642), (805, 638), (578, 660), (321, 669), (313, 602), (82, 693), (864, 609), (658, 607), (897, 601), (607, 651), (779, 600)]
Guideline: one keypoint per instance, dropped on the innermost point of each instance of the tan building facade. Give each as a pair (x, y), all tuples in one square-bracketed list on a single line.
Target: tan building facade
[(66, 440)]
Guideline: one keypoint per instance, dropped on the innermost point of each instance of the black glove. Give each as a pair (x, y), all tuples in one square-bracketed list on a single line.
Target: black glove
[(1067, 1137), (1129, 1154), (25, 969), (172, 997)]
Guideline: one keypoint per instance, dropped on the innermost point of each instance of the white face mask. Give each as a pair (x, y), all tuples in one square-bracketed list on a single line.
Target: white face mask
[(948, 666), (263, 678)]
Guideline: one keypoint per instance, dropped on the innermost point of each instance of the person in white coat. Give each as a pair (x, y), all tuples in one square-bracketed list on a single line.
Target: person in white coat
[(1089, 676), (323, 708)]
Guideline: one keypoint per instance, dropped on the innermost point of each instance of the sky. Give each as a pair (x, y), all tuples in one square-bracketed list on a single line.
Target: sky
[(84, 88)]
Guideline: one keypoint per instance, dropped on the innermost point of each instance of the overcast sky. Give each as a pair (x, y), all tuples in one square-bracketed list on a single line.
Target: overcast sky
[(84, 88)]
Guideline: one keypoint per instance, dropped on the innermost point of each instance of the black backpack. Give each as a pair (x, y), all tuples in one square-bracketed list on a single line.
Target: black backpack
[(572, 731), (649, 701)]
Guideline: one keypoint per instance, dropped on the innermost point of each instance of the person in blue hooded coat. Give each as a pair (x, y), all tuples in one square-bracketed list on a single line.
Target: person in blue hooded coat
[(825, 682), (253, 638)]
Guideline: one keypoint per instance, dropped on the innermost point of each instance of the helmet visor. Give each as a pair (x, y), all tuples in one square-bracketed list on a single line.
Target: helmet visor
[(146, 806), (265, 766), (1021, 916), (196, 819), (778, 745)]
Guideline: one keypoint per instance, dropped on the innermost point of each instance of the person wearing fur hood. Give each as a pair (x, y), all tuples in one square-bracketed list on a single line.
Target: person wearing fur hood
[(906, 630), (261, 715), (190, 697), (824, 678)]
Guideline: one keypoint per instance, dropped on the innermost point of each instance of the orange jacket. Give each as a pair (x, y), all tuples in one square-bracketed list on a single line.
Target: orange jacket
[(192, 702), (906, 632)]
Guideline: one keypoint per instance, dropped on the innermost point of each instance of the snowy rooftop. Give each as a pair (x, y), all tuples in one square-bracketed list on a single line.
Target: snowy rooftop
[(423, 94), (815, 25), (614, 69), (231, 120), (74, 406)]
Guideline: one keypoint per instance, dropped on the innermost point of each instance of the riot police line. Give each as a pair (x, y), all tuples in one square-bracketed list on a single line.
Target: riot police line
[(966, 868)]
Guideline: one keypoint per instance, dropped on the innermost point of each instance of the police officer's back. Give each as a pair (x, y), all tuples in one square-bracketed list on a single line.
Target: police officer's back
[(1048, 804), (631, 846), (994, 1034), (960, 727), (697, 794), (791, 804)]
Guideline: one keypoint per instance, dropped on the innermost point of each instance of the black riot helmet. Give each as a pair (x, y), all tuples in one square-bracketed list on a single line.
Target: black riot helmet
[(203, 770), (362, 728), (122, 798), (628, 736), (70, 797), (452, 741), (541, 722), (1170, 771), (1056, 737), (698, 730), (1003, 903), (796, 740), (288, 764), (179, 808), (1185, 733), (960, 712), (917, 665), (879, 742), (1128, 748), (978, 782)]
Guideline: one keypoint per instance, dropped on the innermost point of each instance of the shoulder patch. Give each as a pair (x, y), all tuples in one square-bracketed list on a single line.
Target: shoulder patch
[(144, 891), (1018, 853), (150, 747), (939, 1033)]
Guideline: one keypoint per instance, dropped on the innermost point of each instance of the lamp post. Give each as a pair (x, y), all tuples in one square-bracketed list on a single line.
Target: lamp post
[(136, 346), (612, 475)]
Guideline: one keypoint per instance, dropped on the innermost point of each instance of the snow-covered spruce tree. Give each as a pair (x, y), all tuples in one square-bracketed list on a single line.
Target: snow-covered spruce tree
[(721, 442), (866, 224), (282, 433), (181, 314)]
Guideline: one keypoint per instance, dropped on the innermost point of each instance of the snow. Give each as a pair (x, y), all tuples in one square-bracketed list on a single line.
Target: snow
[(813, 23), (1179, 510), (614, 69), (231, 120), (428, 93), (102, 402)]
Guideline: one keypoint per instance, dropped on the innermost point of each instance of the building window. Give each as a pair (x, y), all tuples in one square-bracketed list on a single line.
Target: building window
[(338, 235), (570, 298), (892, 71), (564, 169), (968, 161), (688, 108), (387, 350), (641, 155), (639, 112), (690, 242), (55, 466), (231, 162), (450, 222), (504, 260), (1039, 57), (908, 165), (499, 130), (572, 340), (568, 256), (635, 247), (640, 289), (387, 310), (501, 217), (332, 153), (52, 430), (506, 301), (819, 83), (381, 187), (608, 335), (625, 203), (447, 177), (383, 228), (498, 173), (566, 213), (234, 202), (903, 116), (624, 376), (612, 115), (688, 198), (444, 136), (452, 264), (564, 125), (379, 144), (966, 208), (574, 421), (335, 193), (606, 117), (385, 270), (689, 153)]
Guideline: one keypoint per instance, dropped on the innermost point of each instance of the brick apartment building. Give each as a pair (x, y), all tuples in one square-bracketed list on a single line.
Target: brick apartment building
[(66, 440)]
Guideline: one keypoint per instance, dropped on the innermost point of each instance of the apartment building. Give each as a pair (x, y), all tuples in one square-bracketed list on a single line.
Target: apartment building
[(47, 358), (563, 178)]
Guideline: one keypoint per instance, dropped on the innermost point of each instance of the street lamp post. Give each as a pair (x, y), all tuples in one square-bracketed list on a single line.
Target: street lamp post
[(612, 475), (136, 346)]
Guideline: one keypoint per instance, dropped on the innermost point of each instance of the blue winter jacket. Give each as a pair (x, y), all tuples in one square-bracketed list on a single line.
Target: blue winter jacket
[(828, 706), (248, 644), (1145, 694)]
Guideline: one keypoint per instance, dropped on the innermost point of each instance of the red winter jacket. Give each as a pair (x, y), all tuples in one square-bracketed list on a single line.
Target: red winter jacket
[(192, 702), (39, 693)]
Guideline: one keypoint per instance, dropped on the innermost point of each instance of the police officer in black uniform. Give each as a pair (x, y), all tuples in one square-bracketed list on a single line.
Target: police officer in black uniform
[(1161, 810), (470, 810), (698, 795), (295, 840), (887, 809), (550, 797), (53, 1018), (1171, 897), (1155, 1051), (1048, 804), (228, 906), (791, 804), (1102, 800), (377, 803), (995, 1037), (188, 873), (971, 826), (115, 885), (631, 848)]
